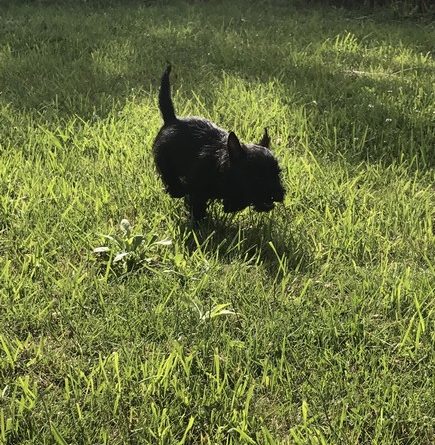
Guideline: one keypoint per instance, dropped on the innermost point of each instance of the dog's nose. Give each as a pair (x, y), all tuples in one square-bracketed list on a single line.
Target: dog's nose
[(278, 196)]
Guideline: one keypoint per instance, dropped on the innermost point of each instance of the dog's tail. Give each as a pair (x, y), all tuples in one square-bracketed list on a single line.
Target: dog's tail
[(165, 102)]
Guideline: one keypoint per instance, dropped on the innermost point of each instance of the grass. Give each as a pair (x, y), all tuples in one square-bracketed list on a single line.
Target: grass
[(310, 325)]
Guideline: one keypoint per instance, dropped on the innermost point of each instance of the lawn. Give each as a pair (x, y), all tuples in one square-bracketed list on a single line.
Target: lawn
[(312, 324)]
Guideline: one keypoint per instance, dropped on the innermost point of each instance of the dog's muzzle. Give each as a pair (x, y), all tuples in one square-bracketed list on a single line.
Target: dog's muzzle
[(268, 204)]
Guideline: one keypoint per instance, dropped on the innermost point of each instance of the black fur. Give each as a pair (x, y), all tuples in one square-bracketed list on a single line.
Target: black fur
[(199, 161), (165, 101)]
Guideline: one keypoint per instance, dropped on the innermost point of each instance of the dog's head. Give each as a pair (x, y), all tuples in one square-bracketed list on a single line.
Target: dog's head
[(255, 173)]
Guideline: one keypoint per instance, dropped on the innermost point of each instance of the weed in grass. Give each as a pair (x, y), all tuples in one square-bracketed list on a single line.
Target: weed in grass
[(127, 252)]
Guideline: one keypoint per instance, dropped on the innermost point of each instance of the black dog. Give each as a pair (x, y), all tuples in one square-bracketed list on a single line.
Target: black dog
[(200, 161)]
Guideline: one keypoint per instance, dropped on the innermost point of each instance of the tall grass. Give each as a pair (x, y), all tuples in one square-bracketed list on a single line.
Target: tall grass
[(310, 325)]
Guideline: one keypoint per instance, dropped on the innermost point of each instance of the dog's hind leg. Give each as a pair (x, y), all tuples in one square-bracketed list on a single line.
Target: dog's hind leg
[(174, 187), (172, 182), (197, 205)]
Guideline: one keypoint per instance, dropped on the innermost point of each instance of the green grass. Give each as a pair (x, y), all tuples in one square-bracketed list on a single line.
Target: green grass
[(310, 325)]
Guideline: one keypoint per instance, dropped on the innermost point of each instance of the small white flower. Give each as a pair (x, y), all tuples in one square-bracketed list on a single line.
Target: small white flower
[(371, 106), (388, 120), (125, 225)]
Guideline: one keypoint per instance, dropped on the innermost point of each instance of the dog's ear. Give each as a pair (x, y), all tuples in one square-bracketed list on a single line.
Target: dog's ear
[(265, 140), (235, 150)]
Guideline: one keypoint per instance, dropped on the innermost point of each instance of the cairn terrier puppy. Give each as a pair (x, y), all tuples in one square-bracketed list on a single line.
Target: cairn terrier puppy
[(200, 162)]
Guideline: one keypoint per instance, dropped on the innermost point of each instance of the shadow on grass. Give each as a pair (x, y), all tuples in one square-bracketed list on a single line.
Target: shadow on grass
[(362, 118), (263, 240)]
